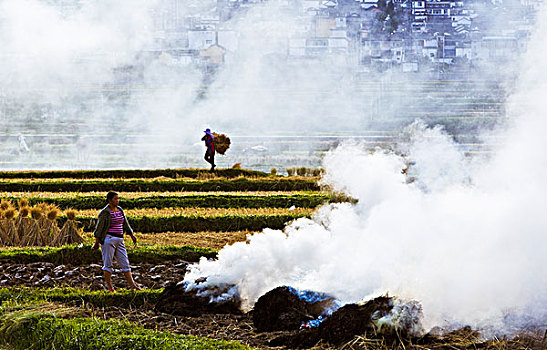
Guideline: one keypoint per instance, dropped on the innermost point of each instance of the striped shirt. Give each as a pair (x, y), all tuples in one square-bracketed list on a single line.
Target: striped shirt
[(116, 224)]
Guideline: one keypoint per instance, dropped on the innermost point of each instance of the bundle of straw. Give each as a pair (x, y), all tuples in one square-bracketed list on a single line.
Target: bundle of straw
[(4, 238), (22, 224), (5, 204), (34, 235), (69, 232), (9, 227), (42, 221), (23, 202), (50, 231), (222, 143)]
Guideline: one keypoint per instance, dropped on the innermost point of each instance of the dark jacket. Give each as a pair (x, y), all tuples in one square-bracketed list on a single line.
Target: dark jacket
[(103, 224), (209, 142)]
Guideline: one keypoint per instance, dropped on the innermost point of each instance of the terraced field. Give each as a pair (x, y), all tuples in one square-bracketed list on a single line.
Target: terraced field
[(55, 298), (379, 108), (175, 223)]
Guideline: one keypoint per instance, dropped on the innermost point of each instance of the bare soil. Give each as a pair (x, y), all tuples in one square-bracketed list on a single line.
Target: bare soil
[(240, 328), (90, 277), (237, 327)]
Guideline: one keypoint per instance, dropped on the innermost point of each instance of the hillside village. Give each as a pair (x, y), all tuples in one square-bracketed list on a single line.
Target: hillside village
[(369, 35), (366, 34)]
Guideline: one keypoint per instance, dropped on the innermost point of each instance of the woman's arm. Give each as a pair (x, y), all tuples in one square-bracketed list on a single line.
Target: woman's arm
[(100, 229)]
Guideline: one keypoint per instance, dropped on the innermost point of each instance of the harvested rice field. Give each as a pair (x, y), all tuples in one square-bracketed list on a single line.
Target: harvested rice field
[(204, 239), (205, 212), (58, 290), (138, 195), (173, 229), (163, 184)]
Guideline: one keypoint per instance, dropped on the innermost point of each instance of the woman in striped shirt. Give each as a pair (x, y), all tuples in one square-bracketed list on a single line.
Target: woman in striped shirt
[(109, 231)]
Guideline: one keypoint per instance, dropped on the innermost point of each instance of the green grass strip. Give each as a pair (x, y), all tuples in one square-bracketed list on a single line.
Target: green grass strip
[(138, 185), (36, 329), (84, 254), (130, 173), (192, 201), (121, 298), (180, 223)]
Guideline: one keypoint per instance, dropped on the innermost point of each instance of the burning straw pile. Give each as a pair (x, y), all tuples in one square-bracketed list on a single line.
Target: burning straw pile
[(222, 143), (306, 319), (40, 229)]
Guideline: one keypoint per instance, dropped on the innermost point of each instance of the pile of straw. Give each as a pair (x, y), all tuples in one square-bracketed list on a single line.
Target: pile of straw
[(41, 229), (69, 233), (222, 143), (8, 235), (22, 224), (5, 205), (17, 229), (4, 238), (8, 228), (50, 231), (34, 237)]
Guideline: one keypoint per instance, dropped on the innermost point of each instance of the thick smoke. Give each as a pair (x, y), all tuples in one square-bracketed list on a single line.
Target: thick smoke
[(71, 70), (466, 238), (44, 50), (69, 73)]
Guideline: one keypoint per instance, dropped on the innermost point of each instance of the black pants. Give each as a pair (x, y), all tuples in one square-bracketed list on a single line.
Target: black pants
[(210, 157)]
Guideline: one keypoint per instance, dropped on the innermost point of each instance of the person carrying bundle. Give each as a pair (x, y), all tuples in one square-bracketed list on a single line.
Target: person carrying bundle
[(210, 144), (109, 231)]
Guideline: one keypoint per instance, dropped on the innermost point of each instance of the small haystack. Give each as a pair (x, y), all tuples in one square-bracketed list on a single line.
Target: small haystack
[(222, 143), (69, 233), (50, 231), (22, 224), (4, 238), (42, 221), (23, 202), (5, 204), (33, 237), (8, 226)]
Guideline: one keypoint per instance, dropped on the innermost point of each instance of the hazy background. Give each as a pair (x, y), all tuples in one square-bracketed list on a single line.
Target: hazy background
[(83, 83)]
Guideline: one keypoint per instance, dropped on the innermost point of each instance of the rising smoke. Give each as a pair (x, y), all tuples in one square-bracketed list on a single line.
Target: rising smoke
[(466, 238), (65, 73)]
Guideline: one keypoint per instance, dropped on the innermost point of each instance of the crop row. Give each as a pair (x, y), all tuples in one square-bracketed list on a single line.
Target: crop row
[(83, 254), (130, 173), (122, 298), (181, 223), (207, 239), (133, 185), (189, 201), (47, 326), (202, 212), (43, 194), (202, 239)]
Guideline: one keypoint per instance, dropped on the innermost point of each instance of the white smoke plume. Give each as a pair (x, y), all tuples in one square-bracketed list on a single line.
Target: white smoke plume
[(466, 239), (46, 51)]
